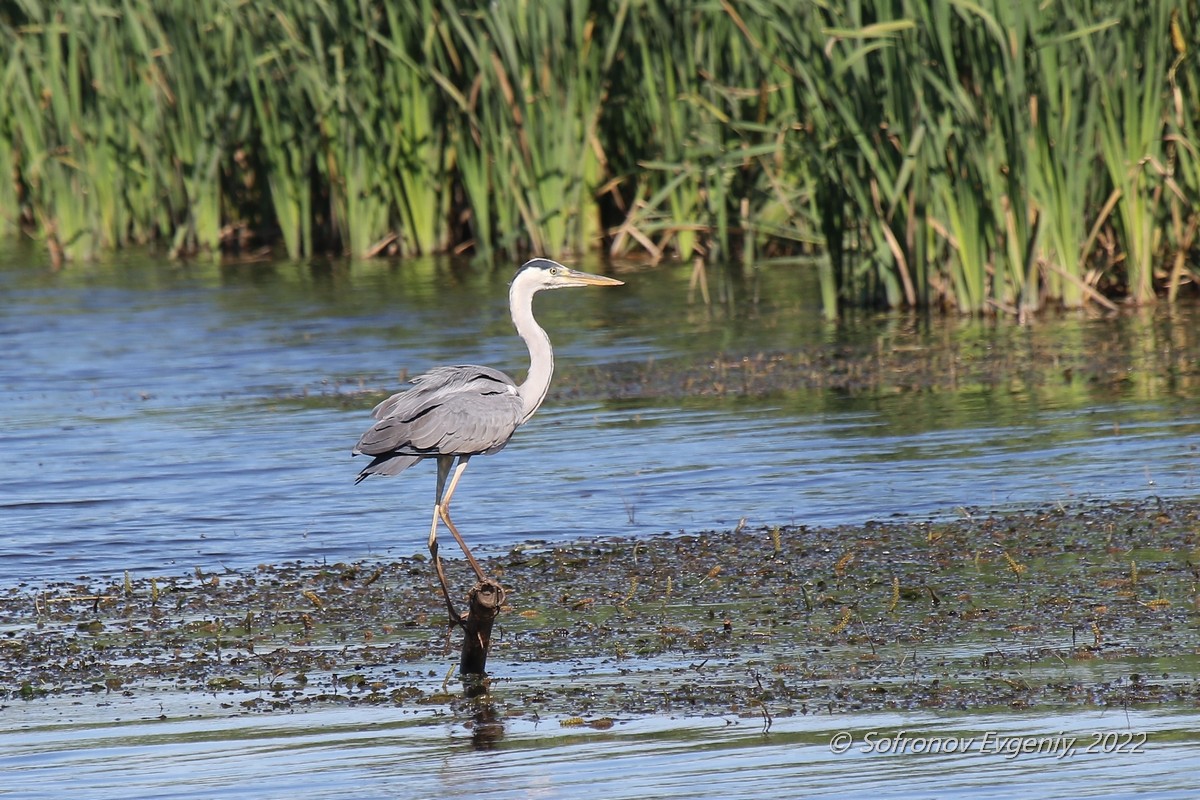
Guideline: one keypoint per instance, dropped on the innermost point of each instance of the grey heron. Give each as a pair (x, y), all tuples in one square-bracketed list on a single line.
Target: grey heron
[(454, 413)]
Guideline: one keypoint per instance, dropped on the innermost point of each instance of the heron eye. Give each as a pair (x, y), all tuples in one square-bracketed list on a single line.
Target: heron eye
[(554, 270)]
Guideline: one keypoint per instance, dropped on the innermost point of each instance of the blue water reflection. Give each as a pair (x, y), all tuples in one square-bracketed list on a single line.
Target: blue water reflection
[(161, 417)]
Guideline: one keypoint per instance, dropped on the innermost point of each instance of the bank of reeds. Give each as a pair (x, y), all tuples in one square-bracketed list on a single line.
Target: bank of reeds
[(982, 155)]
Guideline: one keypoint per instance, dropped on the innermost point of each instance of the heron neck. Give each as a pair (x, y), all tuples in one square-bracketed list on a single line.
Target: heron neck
[(541, 355)]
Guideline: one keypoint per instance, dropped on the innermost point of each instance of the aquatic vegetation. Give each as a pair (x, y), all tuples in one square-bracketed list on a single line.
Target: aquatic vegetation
[(990, 157), (926, 615)]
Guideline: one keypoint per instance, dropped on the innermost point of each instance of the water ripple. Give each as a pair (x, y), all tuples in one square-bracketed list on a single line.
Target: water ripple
[(158, 421)]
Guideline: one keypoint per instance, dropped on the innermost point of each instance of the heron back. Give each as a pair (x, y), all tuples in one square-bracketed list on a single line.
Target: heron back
[(459, 410)]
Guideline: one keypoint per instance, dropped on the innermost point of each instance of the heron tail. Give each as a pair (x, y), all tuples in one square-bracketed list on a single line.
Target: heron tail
[(390, 464)]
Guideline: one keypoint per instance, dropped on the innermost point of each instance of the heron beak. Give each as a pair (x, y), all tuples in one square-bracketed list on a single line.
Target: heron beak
[(578, 278)]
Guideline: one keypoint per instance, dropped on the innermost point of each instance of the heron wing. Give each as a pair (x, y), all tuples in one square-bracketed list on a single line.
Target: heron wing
[(460, 410)]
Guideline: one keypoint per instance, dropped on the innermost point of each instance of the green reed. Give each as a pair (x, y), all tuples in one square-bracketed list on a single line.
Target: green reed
[(279, 74), (1183, 158), (44, 85), (1062, 178), (529, 81), (960, 155), (699, 125), (1132, 89), (987, 156), (415, 164), (195, 112)]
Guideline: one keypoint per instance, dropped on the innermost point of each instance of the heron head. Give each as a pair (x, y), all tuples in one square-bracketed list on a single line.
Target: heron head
[(542, 273)]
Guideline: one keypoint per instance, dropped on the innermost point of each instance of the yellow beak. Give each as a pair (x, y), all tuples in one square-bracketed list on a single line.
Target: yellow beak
[(588, 279)]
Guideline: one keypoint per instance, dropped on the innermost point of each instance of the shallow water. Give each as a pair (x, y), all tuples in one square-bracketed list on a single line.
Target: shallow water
[(162, 417), (382, 752)]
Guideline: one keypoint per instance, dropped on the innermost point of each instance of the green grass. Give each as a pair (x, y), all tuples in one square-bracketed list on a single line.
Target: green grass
[(986, 156)]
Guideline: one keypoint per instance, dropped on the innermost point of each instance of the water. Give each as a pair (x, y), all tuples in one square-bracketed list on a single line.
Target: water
[(161, 417), (415, 754)]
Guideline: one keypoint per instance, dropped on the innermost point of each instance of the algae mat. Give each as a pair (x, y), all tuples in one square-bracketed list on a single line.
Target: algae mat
[(1059, 607)]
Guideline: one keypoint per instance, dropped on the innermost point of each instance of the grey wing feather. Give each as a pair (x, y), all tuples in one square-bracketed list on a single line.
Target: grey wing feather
[(387, 465), (460, 410)]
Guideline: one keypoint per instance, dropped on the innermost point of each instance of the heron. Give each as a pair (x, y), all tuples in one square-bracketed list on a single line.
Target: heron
[(454, 413)]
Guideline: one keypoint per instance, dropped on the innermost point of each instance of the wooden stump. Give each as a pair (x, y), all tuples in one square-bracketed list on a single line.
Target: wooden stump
[(484, 599)]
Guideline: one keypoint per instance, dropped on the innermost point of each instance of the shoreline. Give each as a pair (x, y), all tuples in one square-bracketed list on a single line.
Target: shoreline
[(1082, 606)]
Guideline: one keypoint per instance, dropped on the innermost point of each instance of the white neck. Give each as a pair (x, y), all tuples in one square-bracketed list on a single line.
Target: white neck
[(541, 355)]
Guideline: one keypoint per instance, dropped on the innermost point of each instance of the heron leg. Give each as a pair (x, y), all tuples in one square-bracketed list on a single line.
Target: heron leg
[(443, 467), (443, 509), (455, 617), (443, 471)]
